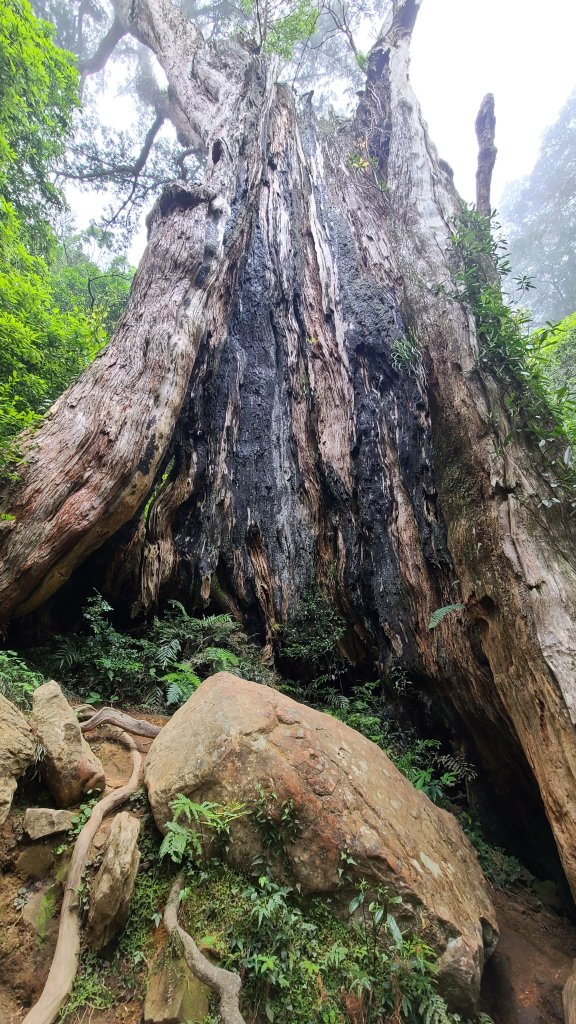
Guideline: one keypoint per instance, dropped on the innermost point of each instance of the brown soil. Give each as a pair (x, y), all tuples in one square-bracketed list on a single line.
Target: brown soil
[(524, 979), (522, 984)]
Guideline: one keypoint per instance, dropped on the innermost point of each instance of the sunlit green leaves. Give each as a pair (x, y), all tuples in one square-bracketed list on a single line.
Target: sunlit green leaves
[(38, 93), (42, 348), (297, 24)]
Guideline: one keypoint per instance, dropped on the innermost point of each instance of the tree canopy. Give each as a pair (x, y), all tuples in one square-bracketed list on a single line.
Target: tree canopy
[(56, 306), (38, 86)]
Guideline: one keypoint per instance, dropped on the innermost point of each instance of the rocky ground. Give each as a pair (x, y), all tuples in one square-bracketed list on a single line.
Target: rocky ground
[(522, 983)]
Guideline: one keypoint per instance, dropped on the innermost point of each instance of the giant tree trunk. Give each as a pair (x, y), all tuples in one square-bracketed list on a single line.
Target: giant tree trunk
[(260, 399)]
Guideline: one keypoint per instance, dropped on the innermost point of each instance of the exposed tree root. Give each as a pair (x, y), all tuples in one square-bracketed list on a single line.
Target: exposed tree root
[(67, 953), (109, 716), (226, 984)]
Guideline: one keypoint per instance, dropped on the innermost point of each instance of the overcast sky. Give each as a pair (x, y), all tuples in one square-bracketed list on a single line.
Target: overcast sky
[(523, 51)]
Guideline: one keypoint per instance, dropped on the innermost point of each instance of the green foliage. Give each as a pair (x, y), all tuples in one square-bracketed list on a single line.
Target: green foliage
[(300, 962), (406, 356), (80, 819), (499, 866), (278, 824), (206, 827), (358, 161), (90, 989), (42, 348), (182, 682), (311, 637), (38, 93), (555, 347), (540, 214), (103, 656), (437, 774), (278, 25), (536, 405), (49, 330), (204, 645), (146, 908), (364, 710), (173, 652), (284, 32), (17, 680), (441, 613), (86, 277)]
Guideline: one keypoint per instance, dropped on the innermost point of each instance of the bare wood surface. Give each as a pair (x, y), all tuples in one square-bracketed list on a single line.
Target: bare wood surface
[(67, 953), (485, 131), (226, 984), (110, 716)]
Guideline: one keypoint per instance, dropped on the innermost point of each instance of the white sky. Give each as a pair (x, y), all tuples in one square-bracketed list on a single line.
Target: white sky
[(523, 51)]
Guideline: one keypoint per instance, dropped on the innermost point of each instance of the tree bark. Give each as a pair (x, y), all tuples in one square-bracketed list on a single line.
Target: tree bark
[(294, 396), (485, 131)]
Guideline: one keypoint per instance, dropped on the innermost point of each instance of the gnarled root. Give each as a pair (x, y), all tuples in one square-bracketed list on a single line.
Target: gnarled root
[(109, 716), (226, 984), (67, 953)]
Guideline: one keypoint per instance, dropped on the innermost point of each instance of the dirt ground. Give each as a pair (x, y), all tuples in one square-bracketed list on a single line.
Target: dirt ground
[(523, 980), (522, 984)]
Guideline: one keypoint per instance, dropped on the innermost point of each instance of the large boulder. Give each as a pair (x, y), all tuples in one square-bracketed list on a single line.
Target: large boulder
[(16, 752), (235, 739), (70, 768), (114, 883)]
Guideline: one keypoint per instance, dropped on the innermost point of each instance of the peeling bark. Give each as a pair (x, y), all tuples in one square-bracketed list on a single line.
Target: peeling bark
[(293, 396)]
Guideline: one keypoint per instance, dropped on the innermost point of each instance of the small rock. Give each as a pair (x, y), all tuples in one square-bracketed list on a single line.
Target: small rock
[(174, 995), (195, 1005), (35, 862), (70, 768), (40, 911), (45, 821), (114, 883), (16, 752)]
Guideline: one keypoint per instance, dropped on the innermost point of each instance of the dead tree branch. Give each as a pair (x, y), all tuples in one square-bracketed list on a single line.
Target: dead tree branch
[(485, 130), (108, 44)]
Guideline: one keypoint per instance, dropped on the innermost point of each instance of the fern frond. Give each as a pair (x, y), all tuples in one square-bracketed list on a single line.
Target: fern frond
[(461, 768), (441, 613), (168, 651), (436, 1011), (175, 842), (220, 657), (70, 651), (174, 693)]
